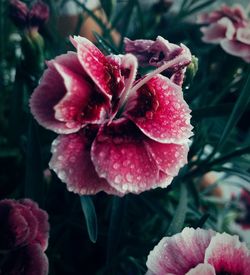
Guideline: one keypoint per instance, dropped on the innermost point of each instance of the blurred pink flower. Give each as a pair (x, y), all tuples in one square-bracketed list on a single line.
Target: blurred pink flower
[(229, 27), (156, 53), (22, 222), (199, 251), (244, 202), (119, 134), (26, 18), (24, 230)]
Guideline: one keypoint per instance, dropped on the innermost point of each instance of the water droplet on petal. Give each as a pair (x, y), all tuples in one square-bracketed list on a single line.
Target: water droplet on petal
[(118, 179)]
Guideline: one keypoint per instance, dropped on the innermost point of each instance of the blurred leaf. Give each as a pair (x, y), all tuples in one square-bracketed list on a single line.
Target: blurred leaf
[(108, 6), (212, 111), (115, 226), (202, 221), (239, 108), (105, 45), (88, 209), (34, 184), (103, 26), (178, 220), (16, 106)]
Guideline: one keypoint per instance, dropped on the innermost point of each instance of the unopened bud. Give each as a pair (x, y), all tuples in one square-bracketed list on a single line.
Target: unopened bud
[(18, 12)]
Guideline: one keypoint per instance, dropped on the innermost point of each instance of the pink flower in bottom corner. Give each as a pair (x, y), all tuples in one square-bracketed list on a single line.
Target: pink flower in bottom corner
[(229, 27), (24, 230), (118, 133), (199, 251)]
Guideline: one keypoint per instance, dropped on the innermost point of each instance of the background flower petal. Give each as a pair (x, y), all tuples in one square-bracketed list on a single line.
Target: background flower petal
[(215, 32), (202, 269), (42, 234), (179, 253), (236, 48), (228, 255), (19, 225)]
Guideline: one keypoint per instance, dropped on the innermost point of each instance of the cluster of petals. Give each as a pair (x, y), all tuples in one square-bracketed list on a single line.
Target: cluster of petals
[(199, 251), (24, 17), (229, 27), (119, 133), (156, 53), (24, 230)]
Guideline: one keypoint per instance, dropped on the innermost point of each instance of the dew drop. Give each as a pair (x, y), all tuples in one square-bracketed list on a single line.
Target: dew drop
[(116, 166), (129, 177), (118, 179)]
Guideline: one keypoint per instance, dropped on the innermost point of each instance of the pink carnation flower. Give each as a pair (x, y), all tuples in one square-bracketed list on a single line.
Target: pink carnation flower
[(199, 251), (119, 134), (229, 27)]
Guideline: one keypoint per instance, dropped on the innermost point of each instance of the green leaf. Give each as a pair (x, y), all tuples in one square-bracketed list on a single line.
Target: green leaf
[(107, 47), (239, 108), (34, 184), (115, 226), (178, 220), (108, 6), (202, 221), (88, 209)]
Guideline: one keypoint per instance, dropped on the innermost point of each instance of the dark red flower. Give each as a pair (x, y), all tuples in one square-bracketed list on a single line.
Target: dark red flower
[(18, 12), (28, 260), (26, 18), (38, 14), (21, 223)]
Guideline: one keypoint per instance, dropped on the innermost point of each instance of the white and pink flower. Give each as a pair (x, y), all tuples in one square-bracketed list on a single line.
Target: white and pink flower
[(229, 27), (118, 133), (199, 251)]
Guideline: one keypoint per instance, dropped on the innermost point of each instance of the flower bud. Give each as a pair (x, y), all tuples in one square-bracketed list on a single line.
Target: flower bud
[(18, 12), (38, 14)]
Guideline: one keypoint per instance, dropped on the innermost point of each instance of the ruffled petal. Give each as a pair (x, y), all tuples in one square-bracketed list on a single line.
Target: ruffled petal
[(228, 255), (72, 164), (202, 269), (18, 225), (215, 32), (159, 110), (120, 155), (169, 157), (179, 253), (81, 104), (97, 66), (41, 216), (236, 48), (243, 35), (50, 91)]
